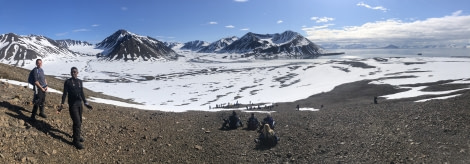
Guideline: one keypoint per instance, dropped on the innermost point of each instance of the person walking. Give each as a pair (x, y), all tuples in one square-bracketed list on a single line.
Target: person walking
[(73, 87), (40, 88)]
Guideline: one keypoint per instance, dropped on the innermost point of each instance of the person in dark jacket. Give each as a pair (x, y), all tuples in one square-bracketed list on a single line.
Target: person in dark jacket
[(73, 87), (269, 120), (252, 122), (233, 122)]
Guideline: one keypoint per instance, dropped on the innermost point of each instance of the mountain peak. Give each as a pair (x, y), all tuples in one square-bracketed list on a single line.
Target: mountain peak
[(288, 43), (128, 46)]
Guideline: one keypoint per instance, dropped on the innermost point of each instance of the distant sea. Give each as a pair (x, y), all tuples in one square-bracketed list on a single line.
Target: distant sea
[(427, 52)]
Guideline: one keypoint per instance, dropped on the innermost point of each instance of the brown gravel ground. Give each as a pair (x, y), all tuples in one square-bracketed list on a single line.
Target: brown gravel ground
[(348, 129)]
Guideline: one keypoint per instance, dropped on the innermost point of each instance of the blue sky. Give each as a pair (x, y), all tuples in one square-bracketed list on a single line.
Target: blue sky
[(322, 21)]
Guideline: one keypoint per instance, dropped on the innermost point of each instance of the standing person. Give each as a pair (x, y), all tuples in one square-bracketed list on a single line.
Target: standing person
[(73, 87), (40, 88)]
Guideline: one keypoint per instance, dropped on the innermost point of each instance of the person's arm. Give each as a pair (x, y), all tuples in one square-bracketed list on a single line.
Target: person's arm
[(45, 80), (64, 95)]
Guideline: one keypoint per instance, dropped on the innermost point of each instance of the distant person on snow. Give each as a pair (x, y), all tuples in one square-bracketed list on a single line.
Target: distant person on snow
[(233, 122), (40, 88), (253, 122), (73, 87)]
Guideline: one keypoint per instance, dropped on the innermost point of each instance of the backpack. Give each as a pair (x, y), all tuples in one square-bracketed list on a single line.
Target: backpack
[(31, 76)]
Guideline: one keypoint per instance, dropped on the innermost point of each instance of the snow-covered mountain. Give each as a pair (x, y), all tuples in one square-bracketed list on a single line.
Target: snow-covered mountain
[(288, 43), (174, 45), (15, 48), (71, 43), (78, 46), (194, 45), (128, 46), (218, 45)]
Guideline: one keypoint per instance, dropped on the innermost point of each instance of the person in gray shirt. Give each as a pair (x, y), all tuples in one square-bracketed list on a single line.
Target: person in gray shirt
[(40, 88)]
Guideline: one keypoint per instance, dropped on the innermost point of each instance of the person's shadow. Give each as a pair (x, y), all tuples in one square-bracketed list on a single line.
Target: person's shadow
[(38, 124)]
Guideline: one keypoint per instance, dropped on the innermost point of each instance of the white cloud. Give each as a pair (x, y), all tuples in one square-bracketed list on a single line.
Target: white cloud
[(61, 34), (322, 19), (213, 23), (373, 8), (124, 8), (240, 0), (453, 28), (230, 26), (279, 21), (245, 29), (95, 25), (81, 30)]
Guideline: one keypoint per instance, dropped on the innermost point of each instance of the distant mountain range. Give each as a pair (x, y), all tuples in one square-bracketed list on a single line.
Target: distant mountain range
[(390, 46), (124, 45)]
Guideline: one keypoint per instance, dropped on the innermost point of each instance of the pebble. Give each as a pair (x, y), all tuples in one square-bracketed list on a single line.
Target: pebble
[(198, 147)]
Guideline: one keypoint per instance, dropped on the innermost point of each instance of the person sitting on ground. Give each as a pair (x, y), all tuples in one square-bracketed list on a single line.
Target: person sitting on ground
[(269, 120), (233, 122), (267, 136), (253, 122)]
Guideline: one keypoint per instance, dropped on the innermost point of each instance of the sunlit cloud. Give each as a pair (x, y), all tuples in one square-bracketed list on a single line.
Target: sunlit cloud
[(453, 28), (373, 8), (213, 23), (322, 19), (95, 25), (124, 8), (279, 21), (240, 0), (81, 30), (245, 29), (230, 26)]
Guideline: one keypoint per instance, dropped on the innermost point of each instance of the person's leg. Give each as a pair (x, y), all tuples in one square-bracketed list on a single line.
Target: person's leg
[(75, 116), (80, 109), (35, 102), (41, 100)]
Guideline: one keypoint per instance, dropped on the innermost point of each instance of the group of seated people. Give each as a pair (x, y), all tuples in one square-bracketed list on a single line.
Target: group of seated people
[(267, 135)]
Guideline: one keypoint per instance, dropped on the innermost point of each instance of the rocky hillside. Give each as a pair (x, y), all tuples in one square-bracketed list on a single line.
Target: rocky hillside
[(349, 128)]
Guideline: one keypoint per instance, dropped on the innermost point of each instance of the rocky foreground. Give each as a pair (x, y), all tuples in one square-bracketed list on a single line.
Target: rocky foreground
[(348, 129)]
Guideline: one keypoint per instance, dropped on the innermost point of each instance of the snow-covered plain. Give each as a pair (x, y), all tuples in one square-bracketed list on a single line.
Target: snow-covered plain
[(200, 81)]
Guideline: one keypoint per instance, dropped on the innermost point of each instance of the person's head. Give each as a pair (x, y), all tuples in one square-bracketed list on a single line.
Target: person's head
[(252, 115), (267, 131), (74, 72), (38, 63), (234, 113)]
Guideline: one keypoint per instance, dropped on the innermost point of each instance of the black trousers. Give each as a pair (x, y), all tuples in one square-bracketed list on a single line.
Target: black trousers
[(38, 101), (75, 110)]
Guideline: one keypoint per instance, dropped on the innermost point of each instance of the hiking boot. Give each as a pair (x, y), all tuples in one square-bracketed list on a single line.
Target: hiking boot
[(81, 139), (78, 145), (42, 115)]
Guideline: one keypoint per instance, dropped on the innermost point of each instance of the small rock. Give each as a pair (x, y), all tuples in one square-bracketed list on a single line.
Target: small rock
[(198, 147), (45, 152), (207, 131), (1, 155), (54, 151)]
